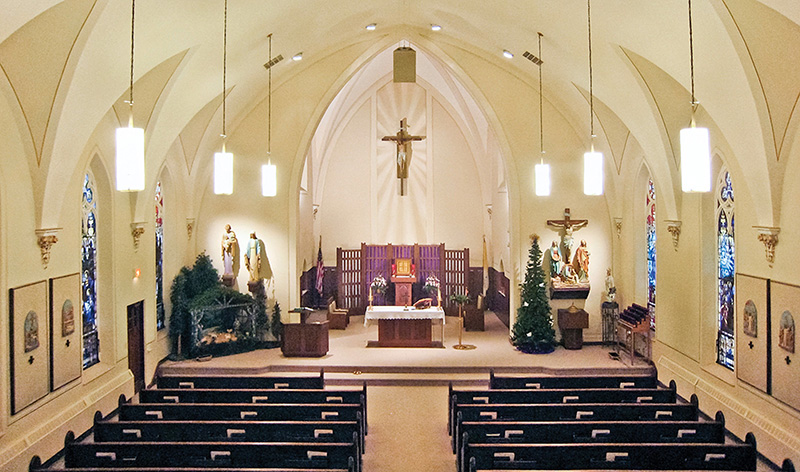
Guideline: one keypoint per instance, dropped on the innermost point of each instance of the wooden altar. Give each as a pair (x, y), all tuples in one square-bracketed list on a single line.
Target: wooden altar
[(400, 326)]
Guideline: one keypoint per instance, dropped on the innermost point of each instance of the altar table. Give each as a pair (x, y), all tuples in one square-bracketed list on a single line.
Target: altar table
[(404, 326)]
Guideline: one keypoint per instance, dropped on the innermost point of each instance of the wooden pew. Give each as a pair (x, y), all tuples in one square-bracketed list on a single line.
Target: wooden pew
[(563, 412), (549, 382), (36, 465), (643, 456), (280, 395), (240, 411), (510, 432), (164, 395), (115, 430), (226, 382), (587, 395), (213, 455)]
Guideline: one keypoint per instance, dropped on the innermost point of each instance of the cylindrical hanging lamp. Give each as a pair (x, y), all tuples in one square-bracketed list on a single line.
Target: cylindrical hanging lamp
[(269, 173), (130, 140), (541, 170), (223, 161), (592, 160), (695, 142)]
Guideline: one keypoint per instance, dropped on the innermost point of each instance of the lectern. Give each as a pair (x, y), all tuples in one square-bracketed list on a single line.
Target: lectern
[(403, 277), (572, 322)]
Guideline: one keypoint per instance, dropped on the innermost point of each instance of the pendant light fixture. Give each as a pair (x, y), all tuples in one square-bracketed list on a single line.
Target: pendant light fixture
[(269, 173), (695, 149), (130, 140), (541, 170), (223, 161), (592, 160)]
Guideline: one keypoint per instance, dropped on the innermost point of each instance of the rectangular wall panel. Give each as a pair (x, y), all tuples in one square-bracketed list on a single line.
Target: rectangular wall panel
[(752, 330), (785, 362)]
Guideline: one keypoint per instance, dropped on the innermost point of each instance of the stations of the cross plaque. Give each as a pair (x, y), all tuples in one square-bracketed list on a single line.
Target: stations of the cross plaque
[(403, 140)]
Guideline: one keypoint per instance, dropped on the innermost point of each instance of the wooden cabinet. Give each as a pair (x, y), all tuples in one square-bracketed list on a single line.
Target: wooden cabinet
[(305, 339)]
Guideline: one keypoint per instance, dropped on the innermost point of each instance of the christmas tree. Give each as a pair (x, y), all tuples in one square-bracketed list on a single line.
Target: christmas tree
[(533, 329)]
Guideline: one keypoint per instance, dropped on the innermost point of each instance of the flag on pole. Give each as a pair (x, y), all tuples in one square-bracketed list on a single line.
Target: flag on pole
[(320, 268)]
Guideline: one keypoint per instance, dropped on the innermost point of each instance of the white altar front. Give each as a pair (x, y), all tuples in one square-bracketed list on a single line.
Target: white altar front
[(404, 326)]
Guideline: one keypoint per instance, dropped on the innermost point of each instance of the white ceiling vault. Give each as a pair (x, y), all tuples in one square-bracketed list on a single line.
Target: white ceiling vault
[(71, 58)]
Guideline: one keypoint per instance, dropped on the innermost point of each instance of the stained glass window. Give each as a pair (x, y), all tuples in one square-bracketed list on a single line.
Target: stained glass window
[(726, 264), (651, 252), (91, 341), (160, 316)]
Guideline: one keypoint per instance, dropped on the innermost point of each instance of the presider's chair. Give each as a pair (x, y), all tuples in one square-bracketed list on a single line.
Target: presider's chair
[(337, 317)]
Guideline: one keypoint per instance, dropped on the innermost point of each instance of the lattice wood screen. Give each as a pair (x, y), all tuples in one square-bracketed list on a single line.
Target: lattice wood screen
[(348, 265), (356, 268)]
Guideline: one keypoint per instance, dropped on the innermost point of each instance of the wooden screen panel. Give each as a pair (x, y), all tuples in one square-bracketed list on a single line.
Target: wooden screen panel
[(456, 274), (348, 270), (429, 262), (375, 261)]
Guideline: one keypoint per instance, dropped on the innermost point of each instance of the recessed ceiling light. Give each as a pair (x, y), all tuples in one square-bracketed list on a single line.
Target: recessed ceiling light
[(507, 54), (436, 28), (371, 27), (298, 57)]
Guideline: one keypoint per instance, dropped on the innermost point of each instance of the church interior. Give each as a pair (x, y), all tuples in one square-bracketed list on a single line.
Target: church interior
[(368, 134)]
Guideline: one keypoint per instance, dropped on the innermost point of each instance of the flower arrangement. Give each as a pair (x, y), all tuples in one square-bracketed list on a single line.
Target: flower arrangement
[(378, 284), (431, 285)]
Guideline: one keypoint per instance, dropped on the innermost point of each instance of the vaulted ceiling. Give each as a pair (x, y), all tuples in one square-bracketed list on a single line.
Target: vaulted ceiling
[(67, 59)]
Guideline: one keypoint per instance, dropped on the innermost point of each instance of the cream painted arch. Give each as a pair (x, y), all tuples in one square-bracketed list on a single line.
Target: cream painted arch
[(299, 161), (369, 95)]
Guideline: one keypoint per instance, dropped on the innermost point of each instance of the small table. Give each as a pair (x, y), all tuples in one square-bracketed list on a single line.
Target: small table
[(572, 321), (404, 326)]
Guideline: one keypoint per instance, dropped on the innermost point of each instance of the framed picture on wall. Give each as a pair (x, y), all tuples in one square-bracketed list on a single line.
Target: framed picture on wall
[(785, 308), (30, 360), (752, 330), (65, 335)]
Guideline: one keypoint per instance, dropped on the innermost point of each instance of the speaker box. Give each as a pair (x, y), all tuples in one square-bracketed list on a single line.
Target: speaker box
[(405, 65)]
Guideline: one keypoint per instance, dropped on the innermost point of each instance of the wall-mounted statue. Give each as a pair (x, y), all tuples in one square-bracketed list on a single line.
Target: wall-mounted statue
[(581, 262), (611, 289), (555, 260), (230, 254)]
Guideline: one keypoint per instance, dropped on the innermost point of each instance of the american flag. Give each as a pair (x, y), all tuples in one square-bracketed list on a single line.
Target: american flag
[(320, 268)]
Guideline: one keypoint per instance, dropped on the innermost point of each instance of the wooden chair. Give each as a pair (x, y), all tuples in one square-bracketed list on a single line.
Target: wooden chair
[(337, 317)]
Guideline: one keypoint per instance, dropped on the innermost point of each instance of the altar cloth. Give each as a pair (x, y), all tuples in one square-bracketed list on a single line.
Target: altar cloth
[(403, 313)]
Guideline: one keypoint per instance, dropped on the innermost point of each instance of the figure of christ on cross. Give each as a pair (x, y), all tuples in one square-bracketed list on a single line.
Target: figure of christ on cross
[(569, 226), (403, 139)]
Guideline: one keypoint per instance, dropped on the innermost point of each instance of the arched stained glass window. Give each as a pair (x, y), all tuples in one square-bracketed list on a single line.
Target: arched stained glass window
[(160, 316), (651, 252), (91, 341), (726, 264)]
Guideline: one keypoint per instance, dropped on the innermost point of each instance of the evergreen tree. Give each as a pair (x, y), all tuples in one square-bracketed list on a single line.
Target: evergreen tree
[(533, 329)]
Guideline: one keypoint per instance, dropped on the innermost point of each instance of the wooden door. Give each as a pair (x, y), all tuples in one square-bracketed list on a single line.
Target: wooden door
[(136, 343)]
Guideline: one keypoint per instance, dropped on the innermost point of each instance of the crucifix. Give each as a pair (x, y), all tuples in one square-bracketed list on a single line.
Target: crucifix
[(569, 226), (403, 139)]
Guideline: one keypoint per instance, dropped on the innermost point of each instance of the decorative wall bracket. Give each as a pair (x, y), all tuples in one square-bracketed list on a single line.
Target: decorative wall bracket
[(674, 228), (315, 209), (189, 227), (769, 236), (137, 230), (46, 238), (618, 226)]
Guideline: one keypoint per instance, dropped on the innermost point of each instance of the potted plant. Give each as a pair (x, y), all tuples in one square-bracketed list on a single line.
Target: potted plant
[(461, 299)]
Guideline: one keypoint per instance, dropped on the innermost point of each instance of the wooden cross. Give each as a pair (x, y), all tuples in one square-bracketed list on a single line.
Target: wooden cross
[(569, 226), (403, 139)]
